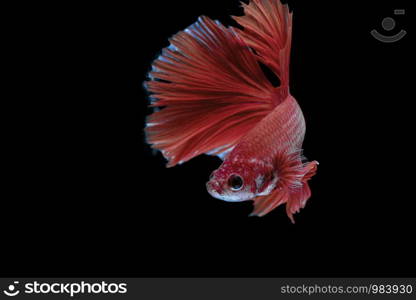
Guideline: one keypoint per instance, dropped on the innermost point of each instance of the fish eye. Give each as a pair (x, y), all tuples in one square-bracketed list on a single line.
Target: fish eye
[(235, 182)]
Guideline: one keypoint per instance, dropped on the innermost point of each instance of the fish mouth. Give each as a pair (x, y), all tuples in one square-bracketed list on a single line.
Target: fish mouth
[(215, 190)]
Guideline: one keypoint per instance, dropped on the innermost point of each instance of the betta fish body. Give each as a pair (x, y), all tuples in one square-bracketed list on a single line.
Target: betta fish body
[(216, 100)]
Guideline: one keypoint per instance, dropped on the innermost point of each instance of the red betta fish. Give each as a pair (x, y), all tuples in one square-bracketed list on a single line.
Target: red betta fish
[(211, 96)]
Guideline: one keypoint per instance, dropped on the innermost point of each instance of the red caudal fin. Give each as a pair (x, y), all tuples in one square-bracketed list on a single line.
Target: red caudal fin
[(292, 187), (211, 91), (268, 30)]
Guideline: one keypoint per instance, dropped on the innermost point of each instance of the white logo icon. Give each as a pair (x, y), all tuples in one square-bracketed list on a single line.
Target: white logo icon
[(388, 24), (12, 289)]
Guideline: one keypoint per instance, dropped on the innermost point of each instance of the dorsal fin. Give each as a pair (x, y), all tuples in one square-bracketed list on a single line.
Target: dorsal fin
[(268, 30)]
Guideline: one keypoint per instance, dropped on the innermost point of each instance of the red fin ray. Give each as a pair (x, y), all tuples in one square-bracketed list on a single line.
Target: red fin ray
[(268, 29), (292, 188), (297, 200), (265, 204), (212, 91)]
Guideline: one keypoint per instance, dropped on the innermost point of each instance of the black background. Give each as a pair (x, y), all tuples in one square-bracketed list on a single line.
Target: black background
[(85, 195)]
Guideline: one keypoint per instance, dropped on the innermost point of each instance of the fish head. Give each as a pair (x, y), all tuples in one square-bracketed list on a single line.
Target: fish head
[(237, 181)]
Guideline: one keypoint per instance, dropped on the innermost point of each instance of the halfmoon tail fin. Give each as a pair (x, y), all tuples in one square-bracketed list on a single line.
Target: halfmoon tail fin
[(209, 91)]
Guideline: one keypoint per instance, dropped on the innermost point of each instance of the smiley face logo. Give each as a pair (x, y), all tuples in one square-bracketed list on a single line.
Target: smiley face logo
[(389, 24), (11, 290)]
